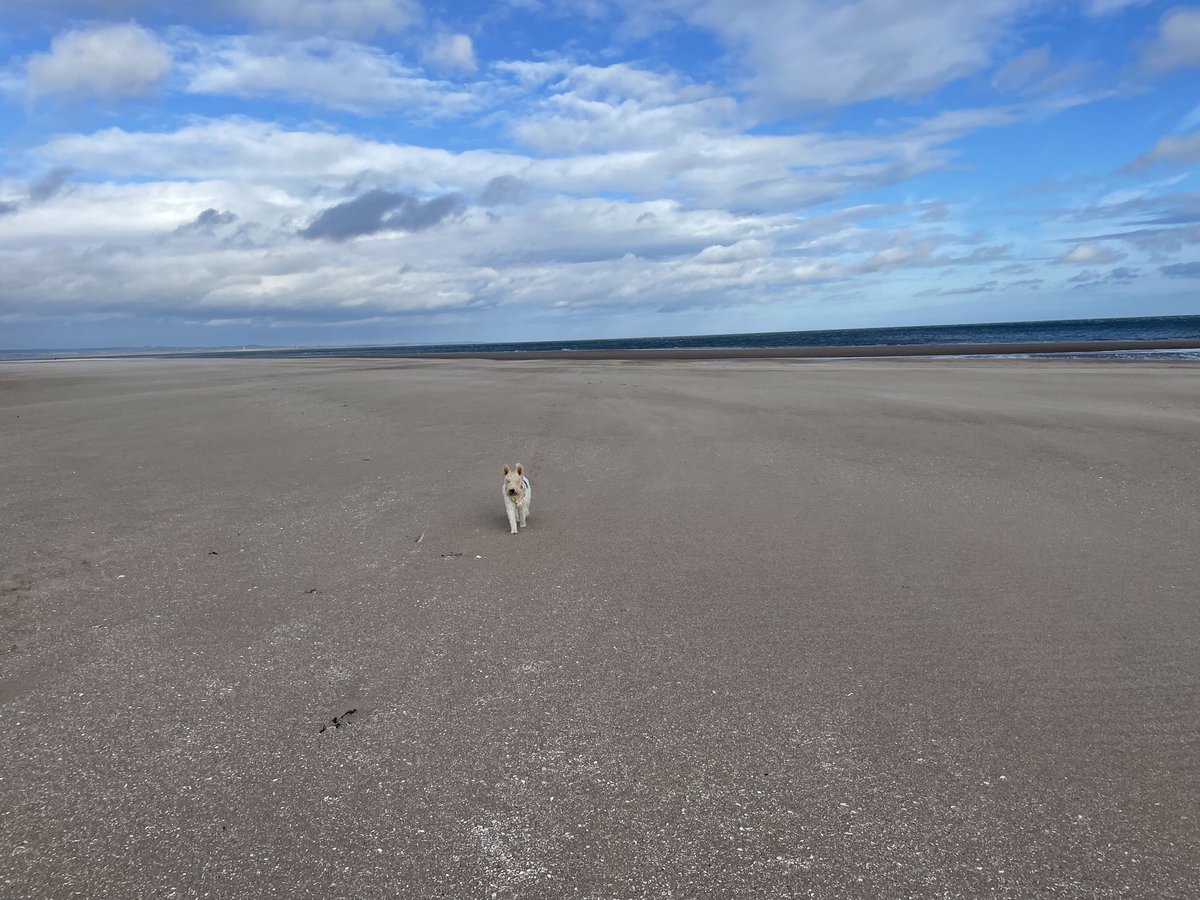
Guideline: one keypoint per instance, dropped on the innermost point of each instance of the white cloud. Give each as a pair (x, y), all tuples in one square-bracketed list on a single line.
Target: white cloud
[(1191, 120), (336, 18), (1020, 71), (13, 82), (532, 74), (1109, 7), (105, 61), (576, 230), (1089, 255), (1183, 148), (1177, 45), (809, 54), (452, 51), (334, 73), (1157, 224), (342, 18), (620, 107), (59, 259), (574, 253), (712, 167), (266, 154), (95, 214)]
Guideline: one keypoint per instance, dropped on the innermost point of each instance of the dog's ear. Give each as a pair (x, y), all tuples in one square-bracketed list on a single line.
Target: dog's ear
[(507, 469), (520, 469)]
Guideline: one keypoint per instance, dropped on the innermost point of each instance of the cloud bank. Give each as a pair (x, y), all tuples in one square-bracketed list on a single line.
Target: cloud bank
[(390, 170)]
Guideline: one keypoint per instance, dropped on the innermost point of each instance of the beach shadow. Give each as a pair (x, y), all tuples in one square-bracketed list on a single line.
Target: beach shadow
[(491, 517)]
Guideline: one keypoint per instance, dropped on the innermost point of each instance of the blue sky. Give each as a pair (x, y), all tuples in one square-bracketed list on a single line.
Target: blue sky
[(390, 171)]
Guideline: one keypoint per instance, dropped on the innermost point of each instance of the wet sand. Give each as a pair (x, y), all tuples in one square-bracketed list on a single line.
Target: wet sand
[(870, 628)]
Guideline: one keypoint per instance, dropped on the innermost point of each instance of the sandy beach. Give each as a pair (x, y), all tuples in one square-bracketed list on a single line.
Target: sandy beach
[(871, 628)]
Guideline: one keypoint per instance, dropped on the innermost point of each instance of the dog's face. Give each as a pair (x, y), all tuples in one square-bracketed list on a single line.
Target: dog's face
[(514, 484)]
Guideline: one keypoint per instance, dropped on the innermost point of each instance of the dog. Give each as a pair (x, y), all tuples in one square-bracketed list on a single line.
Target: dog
[(517, 494)]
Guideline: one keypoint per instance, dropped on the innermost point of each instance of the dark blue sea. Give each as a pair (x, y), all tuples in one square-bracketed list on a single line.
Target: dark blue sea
[(1123, 329)]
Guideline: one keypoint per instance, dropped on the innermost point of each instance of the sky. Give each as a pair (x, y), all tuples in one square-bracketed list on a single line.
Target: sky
[(331, 172)]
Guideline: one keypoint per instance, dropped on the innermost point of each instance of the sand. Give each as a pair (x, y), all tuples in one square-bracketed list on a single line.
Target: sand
[(836, 629)]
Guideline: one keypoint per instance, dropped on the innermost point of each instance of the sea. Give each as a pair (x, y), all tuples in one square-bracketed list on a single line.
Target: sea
[(1152, 328)]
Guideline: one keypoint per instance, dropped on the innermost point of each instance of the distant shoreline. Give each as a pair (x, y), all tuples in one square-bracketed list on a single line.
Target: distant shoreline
[(875, 350)]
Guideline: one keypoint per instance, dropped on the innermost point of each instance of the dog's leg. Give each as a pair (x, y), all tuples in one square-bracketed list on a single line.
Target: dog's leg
[(524, 510), (511, 509)]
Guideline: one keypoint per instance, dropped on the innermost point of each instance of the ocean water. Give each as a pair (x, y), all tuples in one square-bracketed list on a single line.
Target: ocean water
[(1123, 329)]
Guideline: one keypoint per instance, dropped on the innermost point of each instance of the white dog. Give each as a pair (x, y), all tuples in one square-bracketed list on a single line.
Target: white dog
[(517, 494)]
